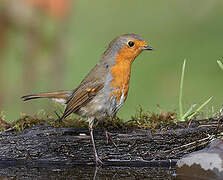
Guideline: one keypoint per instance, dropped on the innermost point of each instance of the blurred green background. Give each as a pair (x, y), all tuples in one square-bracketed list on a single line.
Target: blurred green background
[(47, 47)]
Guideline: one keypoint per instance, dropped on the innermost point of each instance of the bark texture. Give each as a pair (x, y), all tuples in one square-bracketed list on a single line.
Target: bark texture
[(43, 145)]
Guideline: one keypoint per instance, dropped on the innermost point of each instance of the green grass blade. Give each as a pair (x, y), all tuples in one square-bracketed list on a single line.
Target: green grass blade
[(220, 64), (181, 91), (189, 112), (199, 108)]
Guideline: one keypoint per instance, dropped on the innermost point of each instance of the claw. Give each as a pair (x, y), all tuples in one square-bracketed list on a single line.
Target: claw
[(109, 138), (98, 161)]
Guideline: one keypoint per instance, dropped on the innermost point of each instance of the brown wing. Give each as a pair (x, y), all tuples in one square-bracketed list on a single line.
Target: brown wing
[(80, 98)]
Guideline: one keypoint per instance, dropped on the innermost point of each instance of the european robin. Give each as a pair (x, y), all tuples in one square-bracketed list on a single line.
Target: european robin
[(104, 90)]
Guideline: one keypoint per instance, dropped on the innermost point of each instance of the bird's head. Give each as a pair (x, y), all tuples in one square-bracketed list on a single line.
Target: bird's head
[(126, 48)]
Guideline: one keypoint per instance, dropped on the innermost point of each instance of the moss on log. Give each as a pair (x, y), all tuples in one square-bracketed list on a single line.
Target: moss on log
[(46, 145)]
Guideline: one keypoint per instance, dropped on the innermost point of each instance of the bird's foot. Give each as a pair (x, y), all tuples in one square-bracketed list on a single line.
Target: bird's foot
[(98, 161), (109, 138)]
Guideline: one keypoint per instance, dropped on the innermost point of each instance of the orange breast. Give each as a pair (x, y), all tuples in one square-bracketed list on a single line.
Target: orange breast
[(120, 82), (121, 73)]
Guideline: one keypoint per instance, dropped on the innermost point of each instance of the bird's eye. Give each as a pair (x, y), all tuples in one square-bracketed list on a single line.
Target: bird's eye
[(131, 44)]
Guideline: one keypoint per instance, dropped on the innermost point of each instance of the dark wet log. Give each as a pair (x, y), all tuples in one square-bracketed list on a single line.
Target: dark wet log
[(43, 145)]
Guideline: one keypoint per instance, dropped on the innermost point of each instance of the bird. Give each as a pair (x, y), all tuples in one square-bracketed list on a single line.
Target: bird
[(105, 88)]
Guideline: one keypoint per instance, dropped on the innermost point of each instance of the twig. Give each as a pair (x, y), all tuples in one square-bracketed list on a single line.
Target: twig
[(192, 143)]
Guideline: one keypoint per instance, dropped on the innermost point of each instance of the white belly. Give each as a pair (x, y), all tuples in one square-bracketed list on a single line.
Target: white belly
[(102, 106)]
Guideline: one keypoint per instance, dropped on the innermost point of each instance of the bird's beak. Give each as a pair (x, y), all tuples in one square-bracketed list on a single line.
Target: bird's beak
[(146, 48)]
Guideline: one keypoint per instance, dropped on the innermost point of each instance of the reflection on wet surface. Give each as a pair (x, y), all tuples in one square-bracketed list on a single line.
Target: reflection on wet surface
[(86, 173), (106, 173), (195, 172)]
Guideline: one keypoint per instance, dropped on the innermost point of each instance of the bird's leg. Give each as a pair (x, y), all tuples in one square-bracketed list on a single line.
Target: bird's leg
[(97, 159), (109, 138), (96, 171)]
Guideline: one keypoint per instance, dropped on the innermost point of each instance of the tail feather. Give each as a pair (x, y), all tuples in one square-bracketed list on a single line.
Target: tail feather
[(59, 95), (29, 97)]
